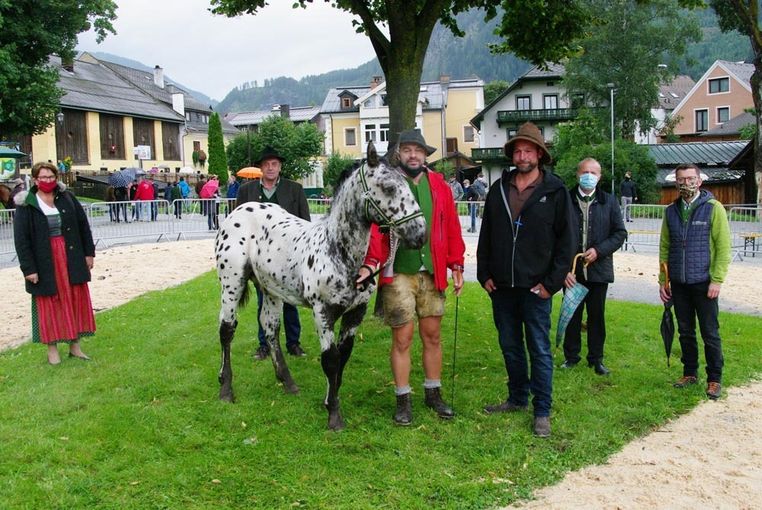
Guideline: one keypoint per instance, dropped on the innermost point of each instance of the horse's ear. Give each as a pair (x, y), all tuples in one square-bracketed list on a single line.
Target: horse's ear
[(372, 154)]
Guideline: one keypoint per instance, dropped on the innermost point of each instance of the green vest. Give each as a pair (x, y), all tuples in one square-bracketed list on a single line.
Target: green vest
[(409, 261)]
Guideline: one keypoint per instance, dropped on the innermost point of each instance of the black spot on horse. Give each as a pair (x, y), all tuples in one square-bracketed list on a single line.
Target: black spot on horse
[(310, 261), (269, 216), (250, 209), (237, 225)]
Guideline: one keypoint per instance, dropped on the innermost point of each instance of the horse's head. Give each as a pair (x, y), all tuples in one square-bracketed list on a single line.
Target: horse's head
[(389, 201)]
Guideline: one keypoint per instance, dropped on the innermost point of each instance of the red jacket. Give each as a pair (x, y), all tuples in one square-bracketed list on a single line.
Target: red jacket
[(447, 246), (144, 191)]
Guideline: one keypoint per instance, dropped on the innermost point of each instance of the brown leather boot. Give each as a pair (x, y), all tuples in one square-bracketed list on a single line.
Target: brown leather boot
[(404, 414), (434, 400)]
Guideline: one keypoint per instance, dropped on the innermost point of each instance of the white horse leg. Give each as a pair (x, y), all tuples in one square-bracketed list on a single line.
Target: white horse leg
[(269, 320)]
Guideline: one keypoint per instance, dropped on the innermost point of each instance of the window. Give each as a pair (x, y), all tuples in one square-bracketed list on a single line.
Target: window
[(350, 136), (550, 102), (384, 134), (383, 100), (112, 136), (468, 134), (523, 102), (723, 114), (578, 101), (71, 136), (452, 145), (702, 120), (718, 85), (170, 135), (370, 133), (511, 133), (142, 134), (346, 103)]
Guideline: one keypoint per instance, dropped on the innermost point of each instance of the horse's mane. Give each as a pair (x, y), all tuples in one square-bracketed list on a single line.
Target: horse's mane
[(345, 175)]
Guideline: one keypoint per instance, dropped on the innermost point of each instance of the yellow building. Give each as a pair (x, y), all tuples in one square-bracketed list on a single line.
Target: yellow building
[(352, 116), (112, 115)]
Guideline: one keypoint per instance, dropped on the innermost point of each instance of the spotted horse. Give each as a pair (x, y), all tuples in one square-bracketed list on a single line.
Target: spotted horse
[(312, 264)]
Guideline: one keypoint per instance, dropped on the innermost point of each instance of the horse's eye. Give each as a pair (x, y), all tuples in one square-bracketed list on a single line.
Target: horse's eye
[(388, 188)]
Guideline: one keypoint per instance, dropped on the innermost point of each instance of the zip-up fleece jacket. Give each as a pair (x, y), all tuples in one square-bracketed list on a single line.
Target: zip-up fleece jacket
[(32, 238), (446, 238), (537, 247)]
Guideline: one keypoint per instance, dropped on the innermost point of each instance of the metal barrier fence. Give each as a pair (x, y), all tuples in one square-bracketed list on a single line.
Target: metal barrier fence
[(746, 230), (644, 226), (7, 247)]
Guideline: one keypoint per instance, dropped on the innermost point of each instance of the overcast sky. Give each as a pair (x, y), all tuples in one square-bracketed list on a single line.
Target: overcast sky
[(213, 54)]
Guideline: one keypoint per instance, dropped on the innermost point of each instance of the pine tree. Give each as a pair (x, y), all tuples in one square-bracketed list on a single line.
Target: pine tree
[(218, 164)]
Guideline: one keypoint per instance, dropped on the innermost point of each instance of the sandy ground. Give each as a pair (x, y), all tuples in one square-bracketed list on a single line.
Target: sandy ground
[(709, 458)]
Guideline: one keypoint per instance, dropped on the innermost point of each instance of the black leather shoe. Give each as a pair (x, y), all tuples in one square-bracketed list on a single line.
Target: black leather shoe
[(296, 350), (434, 400), (600, 368), (262, 353), (504, 407), (568, 364), (404, 413)]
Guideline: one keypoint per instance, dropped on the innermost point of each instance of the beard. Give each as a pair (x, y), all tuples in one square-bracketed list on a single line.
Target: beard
[(526, 168)]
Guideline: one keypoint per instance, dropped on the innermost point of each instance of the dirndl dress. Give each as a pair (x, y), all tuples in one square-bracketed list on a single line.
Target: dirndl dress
[(68, 315)]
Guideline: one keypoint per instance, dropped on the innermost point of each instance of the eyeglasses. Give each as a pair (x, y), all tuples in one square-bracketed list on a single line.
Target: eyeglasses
[(685, 180), (46, 178)]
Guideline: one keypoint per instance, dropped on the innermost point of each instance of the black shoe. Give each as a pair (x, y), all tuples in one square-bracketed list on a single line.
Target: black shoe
[(568, 364), (262, 353), (504, 407), (434, 400), (296, 350), (404, 413), (541, 426), (600, 368)]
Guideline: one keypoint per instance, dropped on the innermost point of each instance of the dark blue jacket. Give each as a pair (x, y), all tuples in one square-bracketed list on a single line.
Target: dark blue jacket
[(689, 252)]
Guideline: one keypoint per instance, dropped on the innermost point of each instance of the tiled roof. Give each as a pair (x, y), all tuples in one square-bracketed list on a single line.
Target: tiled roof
[(742, 70), (431, 95), (553, 71), (670, 94), (296, 114), (95, 87), (733, 126), (703, 154)]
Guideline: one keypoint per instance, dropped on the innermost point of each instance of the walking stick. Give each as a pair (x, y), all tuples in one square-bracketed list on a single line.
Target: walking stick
[(454, 348)]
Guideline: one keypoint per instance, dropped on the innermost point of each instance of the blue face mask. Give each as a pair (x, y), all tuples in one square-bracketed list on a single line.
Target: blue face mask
[(588, 181)]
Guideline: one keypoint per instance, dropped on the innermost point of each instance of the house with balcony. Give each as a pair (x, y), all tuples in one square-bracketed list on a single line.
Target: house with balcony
[(537, 96), (352, 116), (722, 93)]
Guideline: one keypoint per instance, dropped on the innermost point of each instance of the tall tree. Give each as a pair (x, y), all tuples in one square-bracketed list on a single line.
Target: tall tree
[(218, 163), (31, 31), (625, 47), (537, 30), (743, 15)]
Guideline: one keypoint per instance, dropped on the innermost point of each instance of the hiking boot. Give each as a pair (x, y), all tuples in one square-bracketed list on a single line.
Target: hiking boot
[(404, 413), (262, 353), (713, 390), (685, 380), (296, 350), (541, 427), (568, 364), (434, 400), (504, 407)]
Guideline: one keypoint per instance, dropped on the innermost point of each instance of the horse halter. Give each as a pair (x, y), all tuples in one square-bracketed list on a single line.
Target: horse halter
[(388, 223)]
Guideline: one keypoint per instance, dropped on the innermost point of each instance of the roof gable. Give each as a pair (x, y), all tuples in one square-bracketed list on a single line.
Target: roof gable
[(736, 70)]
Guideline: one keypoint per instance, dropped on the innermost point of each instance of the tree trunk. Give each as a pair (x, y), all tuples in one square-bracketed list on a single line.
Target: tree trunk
[(756, 83)]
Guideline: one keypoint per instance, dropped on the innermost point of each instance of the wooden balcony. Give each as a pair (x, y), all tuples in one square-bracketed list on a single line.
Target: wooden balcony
[(488, 154)]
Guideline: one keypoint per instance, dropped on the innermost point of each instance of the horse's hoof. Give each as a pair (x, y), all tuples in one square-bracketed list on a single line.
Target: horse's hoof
[(291, 388), (227, 397), (336, 423)]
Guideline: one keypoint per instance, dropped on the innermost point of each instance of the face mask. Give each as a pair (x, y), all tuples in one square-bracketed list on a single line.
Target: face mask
[(626, 177), (47, 186), (588, 181), (687, 190)]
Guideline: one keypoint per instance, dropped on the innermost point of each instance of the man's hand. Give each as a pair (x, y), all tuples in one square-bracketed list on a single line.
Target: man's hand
[(591, 255), (570, 280), (90, 261), (457, 281), (665, 293), (489, 286), (714, 290), (540, 291), (33, 278), (362, 275)]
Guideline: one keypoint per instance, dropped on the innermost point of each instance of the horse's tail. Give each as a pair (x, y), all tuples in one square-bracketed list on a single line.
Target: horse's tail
[(245, 295)]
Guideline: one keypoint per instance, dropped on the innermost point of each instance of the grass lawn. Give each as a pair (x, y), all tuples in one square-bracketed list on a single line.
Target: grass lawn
[(141, 425)]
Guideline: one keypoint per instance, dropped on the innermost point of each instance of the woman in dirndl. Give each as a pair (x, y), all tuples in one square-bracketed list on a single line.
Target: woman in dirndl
[(55, 251)]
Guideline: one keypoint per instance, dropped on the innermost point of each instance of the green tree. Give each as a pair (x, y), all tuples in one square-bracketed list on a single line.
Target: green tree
[(493, 89), (298, 144), (30, 32), (537, 30), (744, 16), (333, 169), (218, 164), (624, 47)]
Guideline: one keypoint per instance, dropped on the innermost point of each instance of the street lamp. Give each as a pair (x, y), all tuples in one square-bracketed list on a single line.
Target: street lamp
[(60, 117), (611, 103)]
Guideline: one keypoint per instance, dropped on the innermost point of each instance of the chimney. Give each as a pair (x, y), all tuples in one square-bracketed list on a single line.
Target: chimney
[(285, 111), (67, 62), (158, 76), (375, 82)]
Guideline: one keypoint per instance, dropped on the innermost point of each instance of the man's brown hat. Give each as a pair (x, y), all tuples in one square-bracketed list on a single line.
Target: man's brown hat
[(529, 133)]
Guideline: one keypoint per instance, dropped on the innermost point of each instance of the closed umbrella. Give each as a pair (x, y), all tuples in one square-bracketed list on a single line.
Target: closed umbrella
[(667, 327), (250, 172), (572, 299)]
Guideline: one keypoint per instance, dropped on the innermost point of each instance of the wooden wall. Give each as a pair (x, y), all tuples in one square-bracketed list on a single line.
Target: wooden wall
[(730, 193)]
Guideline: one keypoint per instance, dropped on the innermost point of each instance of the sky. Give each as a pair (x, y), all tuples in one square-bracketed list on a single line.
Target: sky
[(213, 54)]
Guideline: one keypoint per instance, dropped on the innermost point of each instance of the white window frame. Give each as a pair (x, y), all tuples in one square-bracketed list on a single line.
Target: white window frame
[(383, 135), (346, 132), (695, 120), (522, 97), (720, 121), (369, 130), (466, 129), (717, 79), (545, 98)]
